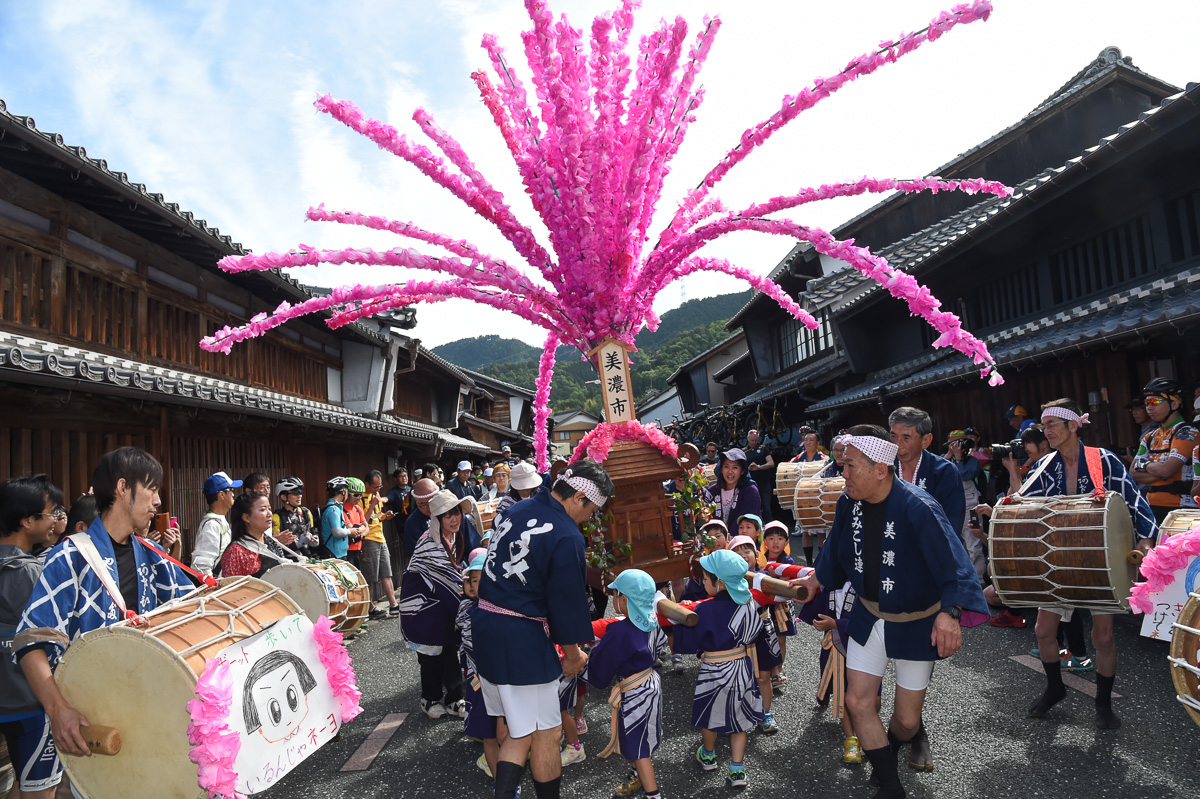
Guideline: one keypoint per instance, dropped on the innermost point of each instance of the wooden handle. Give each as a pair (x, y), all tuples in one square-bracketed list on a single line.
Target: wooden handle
[(1134, 558), (677, 613), (770, 585), (101, 740)]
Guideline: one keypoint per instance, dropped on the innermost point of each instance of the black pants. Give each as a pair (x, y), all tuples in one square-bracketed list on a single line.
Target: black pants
[(441, 675)]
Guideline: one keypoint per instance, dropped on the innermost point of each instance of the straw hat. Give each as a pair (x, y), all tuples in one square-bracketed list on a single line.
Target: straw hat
[(445, 501)]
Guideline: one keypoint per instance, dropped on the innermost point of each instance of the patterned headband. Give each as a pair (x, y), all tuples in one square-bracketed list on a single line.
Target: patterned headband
[(1066, 415), (589, 489), (876, 449), (430, 495)]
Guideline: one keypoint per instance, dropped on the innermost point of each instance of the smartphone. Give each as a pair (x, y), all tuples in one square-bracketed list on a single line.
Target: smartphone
[(974, 519), (162, 522)]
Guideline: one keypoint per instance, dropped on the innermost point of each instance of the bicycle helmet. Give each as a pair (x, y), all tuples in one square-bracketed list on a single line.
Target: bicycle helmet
[(337, 484), (1165, 387), (355, 485), (289, 485)]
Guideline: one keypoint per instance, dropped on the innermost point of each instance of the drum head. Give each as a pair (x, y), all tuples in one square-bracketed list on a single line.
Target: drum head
[(312, 589), (1185, 648), (1119, 539)]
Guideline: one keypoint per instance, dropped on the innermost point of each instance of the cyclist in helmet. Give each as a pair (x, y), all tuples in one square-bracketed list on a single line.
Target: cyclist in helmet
[(293, 517), (356, 520), (1159, 464), (335, 533)]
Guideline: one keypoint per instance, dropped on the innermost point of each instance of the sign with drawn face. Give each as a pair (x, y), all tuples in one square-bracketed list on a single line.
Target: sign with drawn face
[(283, 707), (1169, 602)]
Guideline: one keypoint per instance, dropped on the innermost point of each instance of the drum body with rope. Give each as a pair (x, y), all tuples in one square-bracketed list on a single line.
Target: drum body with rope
[(140, 679), (1063, 551), (1185, 657), (333, 588), (487, 513), (816, 500), (786, 477)]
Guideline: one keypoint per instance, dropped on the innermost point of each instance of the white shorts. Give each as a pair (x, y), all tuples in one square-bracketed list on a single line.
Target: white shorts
[(911, 675), (525, 708), (1067, 613)]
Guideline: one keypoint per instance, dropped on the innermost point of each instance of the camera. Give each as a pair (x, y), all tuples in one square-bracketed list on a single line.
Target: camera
[(1012, 449)]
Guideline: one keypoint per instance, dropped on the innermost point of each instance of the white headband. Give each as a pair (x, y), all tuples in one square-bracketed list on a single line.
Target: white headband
[(878, 450), (1066, 414), (589, 489)]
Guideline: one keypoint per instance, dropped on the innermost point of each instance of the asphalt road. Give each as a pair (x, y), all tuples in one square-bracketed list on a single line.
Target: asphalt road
[(984, 745)]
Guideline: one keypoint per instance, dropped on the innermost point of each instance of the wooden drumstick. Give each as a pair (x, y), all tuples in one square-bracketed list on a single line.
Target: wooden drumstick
[(770, 585), (101, 740), (677, 613), (1134, 558)]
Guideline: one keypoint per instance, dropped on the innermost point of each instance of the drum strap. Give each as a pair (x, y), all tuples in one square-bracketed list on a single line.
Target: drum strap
[(1095, 468), (205, 579), (83, 542)]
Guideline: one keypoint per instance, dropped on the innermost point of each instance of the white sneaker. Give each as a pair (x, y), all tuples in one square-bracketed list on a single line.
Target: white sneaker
[(572, 755), (458, 708), (435, 710), (483, 766)]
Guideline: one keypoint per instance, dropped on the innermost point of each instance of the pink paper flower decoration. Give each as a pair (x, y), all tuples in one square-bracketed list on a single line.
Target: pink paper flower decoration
[(336, 661), (214, 745), (593, 144), (596, 443), (1160, 565)]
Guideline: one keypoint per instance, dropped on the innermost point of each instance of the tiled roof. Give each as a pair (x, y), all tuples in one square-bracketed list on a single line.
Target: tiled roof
[(706, 354), (1174, 302), (792, 381), (141, 210), (29, 356), (866, 391), (728, 368), (449, 367), (910, 253), (460, 444), (498, 428), (487, 379)]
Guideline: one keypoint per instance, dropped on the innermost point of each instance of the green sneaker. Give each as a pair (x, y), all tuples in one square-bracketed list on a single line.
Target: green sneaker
[(708, 761), (737, 777), (769, 727)]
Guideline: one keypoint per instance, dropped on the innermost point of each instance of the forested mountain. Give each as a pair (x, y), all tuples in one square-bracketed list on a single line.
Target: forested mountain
[(684, 333)]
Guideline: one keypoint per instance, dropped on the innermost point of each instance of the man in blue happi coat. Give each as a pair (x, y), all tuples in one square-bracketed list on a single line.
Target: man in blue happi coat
[(913, 579), (912, 433), (94, 580), (533, 595)]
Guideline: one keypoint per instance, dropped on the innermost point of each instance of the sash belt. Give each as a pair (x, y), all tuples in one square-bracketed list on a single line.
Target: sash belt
[(614, 702)]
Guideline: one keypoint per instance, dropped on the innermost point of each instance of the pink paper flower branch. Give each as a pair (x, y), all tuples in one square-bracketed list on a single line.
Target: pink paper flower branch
[(1160, 565), (541, 401), (338, 668), (214, 745), (597, 442)]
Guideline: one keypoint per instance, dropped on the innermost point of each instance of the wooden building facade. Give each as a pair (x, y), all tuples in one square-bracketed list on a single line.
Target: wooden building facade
[(1083, 284), (105, 292)]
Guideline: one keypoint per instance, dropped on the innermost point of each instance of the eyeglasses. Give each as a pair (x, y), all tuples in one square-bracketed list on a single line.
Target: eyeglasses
[(57, 515), (356, 496), (1154, 402), (297, 493)]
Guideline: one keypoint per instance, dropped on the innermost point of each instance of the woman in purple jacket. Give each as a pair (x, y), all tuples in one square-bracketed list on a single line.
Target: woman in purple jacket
[(733, 493)]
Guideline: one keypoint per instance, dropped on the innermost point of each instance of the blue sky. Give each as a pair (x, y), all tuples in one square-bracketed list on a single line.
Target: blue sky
[(211, 104)]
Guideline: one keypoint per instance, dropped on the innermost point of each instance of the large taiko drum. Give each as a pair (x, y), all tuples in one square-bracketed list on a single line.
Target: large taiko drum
[(786, 477), (487, 513), (1180, 520), (1063, 551), (816, 500), (140, 679), (333, 588), (1185, 657)]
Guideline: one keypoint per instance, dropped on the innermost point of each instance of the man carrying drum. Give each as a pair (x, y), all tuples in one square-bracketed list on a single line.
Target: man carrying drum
[(904, 559), (1069, 471), (96, 579)]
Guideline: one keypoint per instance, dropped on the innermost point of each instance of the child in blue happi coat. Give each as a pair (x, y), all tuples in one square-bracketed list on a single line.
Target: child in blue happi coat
[(768, 655), (775, 549), (627, 652), (727, 698), (478, 724)]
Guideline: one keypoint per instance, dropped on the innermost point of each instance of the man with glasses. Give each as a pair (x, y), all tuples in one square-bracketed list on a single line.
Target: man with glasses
[(29, 512), (376, 557), (356, 521), (533, 595), (213, 535), (1164, 452), (1064, 472)]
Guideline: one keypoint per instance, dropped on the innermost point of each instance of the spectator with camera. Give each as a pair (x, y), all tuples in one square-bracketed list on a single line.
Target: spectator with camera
[(959, 451)]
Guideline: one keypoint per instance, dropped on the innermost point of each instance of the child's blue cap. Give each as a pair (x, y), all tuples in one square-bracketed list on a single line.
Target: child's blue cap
[(729, 567), (476, 564), (752, 517), (638, 589)]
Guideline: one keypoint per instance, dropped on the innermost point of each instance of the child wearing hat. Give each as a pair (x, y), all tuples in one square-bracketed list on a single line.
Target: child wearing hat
[(768, 655), (727, 699), (775, 550), (627, 652), (477, 724), (693, 590)]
